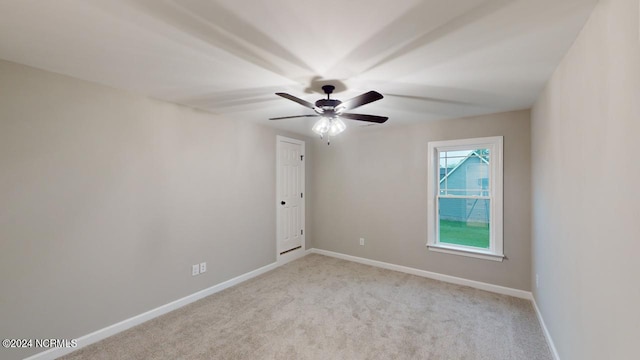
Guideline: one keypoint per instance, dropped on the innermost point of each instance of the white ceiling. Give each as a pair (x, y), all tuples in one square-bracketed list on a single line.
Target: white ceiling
[(432, 59)]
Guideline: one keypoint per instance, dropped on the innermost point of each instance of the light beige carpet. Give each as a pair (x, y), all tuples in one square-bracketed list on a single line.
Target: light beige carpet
[(324, 308)]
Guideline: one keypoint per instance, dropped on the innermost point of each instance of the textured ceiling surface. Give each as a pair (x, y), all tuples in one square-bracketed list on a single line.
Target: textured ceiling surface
[(431, 59)]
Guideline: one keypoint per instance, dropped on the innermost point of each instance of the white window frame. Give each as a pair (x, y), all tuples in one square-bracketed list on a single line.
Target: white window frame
[(495, 146)]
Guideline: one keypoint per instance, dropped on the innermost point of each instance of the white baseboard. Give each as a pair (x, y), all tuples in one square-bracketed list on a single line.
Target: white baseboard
[(545, 331), (161, 310), (431, 275)]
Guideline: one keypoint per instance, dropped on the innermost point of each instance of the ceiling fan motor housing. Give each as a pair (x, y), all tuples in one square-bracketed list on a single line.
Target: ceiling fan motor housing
[(328, 104)]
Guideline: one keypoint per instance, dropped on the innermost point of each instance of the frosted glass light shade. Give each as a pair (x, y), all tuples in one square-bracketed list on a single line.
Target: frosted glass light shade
[(337, 126), (322, 126)]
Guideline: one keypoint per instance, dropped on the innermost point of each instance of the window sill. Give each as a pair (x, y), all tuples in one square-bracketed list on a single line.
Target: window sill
[(486, 255)]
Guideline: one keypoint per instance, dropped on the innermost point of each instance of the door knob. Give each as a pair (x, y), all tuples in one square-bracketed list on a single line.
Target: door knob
[(282, 202)]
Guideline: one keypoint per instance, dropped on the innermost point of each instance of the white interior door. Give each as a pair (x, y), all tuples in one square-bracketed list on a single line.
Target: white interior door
[(290, 196)]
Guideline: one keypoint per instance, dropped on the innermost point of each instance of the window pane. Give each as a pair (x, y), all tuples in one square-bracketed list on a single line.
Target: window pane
[(464, 222), (464, 173)]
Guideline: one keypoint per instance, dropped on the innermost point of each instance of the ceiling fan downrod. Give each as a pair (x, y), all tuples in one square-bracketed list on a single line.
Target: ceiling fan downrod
[(328, 89)]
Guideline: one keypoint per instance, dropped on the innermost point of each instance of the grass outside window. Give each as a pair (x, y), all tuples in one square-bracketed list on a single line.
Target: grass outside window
[(463, 233)]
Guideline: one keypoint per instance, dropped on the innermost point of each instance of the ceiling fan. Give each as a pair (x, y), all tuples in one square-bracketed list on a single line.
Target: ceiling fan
[(332, 110)]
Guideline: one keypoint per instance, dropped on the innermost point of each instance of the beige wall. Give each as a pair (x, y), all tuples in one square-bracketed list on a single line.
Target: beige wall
[(372, 183), (586, 228), (107, 199)]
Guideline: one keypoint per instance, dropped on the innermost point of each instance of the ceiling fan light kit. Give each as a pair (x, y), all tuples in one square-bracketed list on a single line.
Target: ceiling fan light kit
[(321, 127), (331, 111), (329, 126), (337, 126)]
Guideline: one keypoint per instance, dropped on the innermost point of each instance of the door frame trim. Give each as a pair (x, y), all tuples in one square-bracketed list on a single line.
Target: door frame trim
[(292, 255)]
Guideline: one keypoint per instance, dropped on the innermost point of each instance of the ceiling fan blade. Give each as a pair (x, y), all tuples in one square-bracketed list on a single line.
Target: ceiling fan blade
[(300, 101), (292, 117), (360, 100), (363, 117)]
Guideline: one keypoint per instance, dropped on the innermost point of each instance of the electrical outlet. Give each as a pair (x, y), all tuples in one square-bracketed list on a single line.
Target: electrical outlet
[(195, 270), (362, 241), (203, 267), (537, 281)]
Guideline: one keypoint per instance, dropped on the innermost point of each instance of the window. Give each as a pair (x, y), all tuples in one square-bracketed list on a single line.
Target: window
[(465, 197)]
